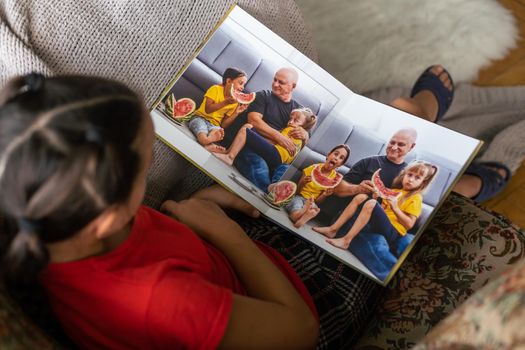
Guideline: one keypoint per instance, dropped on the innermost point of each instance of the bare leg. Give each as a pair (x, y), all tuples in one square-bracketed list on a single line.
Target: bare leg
[(296, 215), (424, 103), (238, 143), (330, 231), (362, 219), (307, 216), (214, 135), (214, 148)]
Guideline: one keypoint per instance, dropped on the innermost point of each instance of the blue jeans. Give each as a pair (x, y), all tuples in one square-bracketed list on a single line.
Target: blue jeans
[(255, 169)]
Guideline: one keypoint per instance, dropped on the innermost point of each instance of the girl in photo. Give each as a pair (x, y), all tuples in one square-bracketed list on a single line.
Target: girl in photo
[(218, 110), (303, 206), (395, 216)]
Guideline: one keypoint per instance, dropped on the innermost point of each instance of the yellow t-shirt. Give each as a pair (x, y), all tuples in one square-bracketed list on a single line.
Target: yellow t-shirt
[(216, 94), (311, 189), (286, 158), (411, 205)]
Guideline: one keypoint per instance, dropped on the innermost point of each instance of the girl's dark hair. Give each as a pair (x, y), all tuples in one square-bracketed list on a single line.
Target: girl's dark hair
[(232, 73), (66, 155), (346, 147)]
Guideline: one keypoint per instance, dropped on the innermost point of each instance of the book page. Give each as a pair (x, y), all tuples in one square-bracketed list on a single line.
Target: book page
[(241, 145)]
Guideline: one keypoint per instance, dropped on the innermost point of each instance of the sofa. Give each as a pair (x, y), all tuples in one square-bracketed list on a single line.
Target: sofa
[(467, 256)]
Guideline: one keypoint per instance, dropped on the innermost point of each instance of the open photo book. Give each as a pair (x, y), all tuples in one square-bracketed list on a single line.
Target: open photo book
[(357, 178)]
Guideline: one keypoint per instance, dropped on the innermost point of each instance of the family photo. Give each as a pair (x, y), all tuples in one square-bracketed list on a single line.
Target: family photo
[(358, 178)]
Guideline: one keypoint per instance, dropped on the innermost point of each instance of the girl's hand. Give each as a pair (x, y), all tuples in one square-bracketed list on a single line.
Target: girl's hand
[(307, 178), (241, 108), (328, 192), (207, 219), (393, 201), (230, 100)]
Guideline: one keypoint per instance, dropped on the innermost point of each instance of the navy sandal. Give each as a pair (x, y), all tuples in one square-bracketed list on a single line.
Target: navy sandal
[(431, 82), (492, 182)]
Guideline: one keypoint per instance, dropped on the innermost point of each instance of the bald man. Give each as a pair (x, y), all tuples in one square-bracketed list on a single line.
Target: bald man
[(268, 114), (358, 179)]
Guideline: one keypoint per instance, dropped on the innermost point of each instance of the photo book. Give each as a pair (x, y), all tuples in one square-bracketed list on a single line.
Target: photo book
[(357, 178)]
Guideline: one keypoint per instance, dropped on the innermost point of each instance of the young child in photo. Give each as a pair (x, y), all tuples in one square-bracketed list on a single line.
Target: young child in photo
[(395, 216), (303, 206), (273, 154), (218, 110)]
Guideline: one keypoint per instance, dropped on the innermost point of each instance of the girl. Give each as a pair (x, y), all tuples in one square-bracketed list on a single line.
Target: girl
[(117, 274), (218, 110), (303, 207), (397, 215), (273, 154)]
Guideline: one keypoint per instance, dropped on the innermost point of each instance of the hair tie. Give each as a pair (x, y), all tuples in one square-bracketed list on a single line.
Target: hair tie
[(94, 135), (29, 225), (34, 81)]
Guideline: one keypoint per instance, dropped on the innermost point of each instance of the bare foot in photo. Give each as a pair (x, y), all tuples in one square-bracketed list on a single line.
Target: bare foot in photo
[(307, 216), (215, 148), (216, 135), (225, 157), (326, 231), (339, 242)]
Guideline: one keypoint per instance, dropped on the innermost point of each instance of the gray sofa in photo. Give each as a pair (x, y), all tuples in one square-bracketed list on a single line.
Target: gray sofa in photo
[(225, 49), (364, 143)]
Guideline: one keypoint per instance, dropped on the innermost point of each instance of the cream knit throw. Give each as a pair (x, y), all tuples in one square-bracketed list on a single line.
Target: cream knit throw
[(145, 43)]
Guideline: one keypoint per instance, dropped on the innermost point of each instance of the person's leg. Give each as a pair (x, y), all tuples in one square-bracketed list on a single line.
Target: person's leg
[(362, 219), (424, 104), (254, 168), (279, 172), (238, 143), (309, 213), (262, 147), (348, 212), (201, 128)]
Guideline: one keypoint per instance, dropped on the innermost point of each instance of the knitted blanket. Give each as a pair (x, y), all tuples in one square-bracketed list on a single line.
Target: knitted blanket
[(144, 44)]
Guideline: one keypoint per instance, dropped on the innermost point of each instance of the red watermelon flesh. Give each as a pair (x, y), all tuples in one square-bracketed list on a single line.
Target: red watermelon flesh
[(241, 97), (282, 192), (380, 187), (322, 180), (183, 107)]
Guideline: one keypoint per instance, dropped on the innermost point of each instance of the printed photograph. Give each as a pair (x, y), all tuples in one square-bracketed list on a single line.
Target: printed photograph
[(358, 178)]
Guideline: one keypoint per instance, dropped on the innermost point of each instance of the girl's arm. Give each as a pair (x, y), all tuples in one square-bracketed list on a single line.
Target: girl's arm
[(407, 220), (302, 182), (326, 193), (273, 315), (212, 106), (228, 119)]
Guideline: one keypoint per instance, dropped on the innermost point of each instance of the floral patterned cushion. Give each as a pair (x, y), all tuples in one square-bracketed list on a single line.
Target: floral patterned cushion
[(464, 248), (490, 319)]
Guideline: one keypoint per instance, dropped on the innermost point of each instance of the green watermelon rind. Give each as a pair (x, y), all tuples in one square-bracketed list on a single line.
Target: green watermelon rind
[(270, 196), (339, 177), (169, 109)]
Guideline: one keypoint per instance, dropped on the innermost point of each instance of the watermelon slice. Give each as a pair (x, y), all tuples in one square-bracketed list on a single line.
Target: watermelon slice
[(282, 192), (324, 181), (181, 110), (380, 187), (241, 97)]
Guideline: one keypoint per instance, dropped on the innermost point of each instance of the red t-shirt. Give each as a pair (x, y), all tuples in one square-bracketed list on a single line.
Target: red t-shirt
[(162, 288)]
